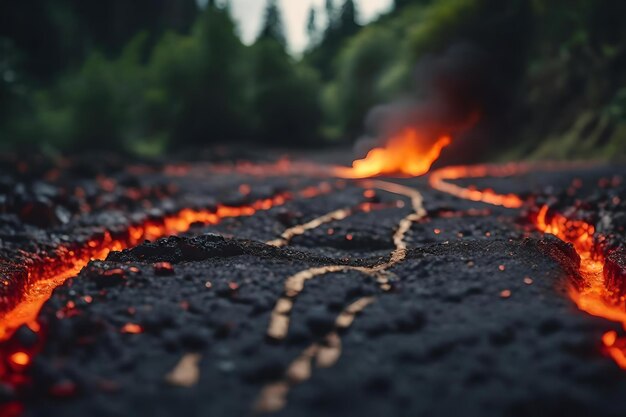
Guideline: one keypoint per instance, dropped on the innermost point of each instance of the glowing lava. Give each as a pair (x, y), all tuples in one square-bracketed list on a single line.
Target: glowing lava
[(593, 296), (439, 181), (408, 153), (69, 261)]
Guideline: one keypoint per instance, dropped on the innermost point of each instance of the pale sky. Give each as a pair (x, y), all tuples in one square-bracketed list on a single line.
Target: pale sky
[(249, 16)]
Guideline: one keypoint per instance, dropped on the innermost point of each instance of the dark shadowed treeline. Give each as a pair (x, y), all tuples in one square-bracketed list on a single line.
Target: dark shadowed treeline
[(146, 76)]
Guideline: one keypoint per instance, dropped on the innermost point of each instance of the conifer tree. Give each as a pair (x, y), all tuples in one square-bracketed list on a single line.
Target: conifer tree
[(273, 24), (311, 27)]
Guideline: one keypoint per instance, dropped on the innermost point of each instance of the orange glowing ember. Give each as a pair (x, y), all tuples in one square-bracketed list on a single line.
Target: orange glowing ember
[(70, 261), (19, 359), (615, 347), (408, 153), (132, 328), (593, 295), (439, 180), (576, 232)]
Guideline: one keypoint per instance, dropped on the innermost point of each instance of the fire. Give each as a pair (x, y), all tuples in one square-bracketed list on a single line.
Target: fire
[(408, 153)]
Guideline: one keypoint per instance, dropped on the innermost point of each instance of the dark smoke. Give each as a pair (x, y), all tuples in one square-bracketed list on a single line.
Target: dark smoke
[(455, 92)]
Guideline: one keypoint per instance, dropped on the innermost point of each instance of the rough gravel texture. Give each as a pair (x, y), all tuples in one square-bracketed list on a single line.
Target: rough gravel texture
[(476, 321)]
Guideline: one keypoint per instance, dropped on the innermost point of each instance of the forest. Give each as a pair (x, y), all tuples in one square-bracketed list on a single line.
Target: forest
[(146, 77)]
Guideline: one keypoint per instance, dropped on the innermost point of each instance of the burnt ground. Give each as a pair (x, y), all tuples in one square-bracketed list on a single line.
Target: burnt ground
[(475, 321)]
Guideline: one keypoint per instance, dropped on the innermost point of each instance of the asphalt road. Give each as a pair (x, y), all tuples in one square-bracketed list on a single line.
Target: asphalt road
[(350, 299)]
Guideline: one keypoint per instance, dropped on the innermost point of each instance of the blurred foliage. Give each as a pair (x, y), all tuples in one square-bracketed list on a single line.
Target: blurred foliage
[(202, 86), (341, 26), (575, 82), (363, 64), (57, 34), (144, 77), (285, 98)]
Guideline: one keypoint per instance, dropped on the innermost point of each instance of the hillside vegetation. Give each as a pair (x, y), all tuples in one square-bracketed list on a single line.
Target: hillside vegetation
[(180, 76)]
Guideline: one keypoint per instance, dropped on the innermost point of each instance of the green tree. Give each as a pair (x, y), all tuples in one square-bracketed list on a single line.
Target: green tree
[(204, 80), (363, 65), (110, 24), (340, 28), (347, 25), (56, 35), (273, 25), (192, 90), (311, 27), (401, 4), (285, 97), (329, 6), (98, 107), (29, 26)]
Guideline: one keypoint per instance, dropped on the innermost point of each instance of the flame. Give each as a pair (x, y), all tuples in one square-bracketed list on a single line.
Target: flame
[(408, 153)]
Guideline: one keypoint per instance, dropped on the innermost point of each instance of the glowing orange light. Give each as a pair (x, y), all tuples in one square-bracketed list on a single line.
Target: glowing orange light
[(609, 338), (593, 296), (439, 180), (615, 347), (20, 359), (71, 260), (132, 328), (408, 153), (34, 326)]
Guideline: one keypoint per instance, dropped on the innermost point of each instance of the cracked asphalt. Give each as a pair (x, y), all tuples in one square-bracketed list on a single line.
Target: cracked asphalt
[(474, 319)]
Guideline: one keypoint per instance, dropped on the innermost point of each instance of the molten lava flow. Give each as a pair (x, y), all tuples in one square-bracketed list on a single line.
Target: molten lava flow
[(408, 153), (593, 296), (616, 347), (577, 232), (69, 261), (439, 181)]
